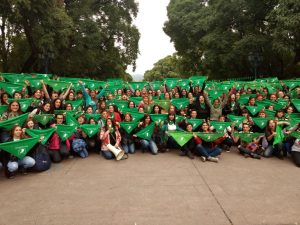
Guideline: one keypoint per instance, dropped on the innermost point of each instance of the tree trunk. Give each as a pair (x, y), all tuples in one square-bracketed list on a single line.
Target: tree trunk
[(4, 51), (27, 66), (297, 56)]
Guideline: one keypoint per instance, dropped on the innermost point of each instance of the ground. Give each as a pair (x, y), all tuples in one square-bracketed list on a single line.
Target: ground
[(155, 190)]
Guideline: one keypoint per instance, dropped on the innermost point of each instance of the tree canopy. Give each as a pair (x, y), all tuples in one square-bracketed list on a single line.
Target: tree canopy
[(216, 37), (91, 37)]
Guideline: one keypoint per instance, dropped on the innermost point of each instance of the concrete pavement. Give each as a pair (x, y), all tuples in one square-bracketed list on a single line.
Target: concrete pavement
[(155, 190)]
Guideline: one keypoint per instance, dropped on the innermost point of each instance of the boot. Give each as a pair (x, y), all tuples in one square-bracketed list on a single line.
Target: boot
[(190, 154)]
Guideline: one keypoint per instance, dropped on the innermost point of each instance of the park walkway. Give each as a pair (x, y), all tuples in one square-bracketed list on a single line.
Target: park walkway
[(155, 190)]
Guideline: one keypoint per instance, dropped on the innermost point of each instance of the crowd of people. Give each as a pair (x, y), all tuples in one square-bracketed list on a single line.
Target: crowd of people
[(199, 118)]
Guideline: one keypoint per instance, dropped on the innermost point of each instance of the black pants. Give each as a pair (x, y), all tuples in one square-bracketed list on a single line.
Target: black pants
[(57, 155), (296, 158)]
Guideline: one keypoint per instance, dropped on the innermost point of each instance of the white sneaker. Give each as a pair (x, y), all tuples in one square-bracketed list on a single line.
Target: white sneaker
[(203, 159), (213, 159)]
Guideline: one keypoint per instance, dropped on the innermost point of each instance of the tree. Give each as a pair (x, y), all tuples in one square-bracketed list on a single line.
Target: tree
[(92, 37), (166, 67), (219, 35)]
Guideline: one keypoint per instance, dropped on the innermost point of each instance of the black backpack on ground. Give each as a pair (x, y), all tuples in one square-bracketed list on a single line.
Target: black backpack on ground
[(42, 159)]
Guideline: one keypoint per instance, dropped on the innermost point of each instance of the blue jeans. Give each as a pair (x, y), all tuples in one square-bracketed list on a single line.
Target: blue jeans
[(149, 145), (108, 154), (83, 153), (26, 162), (208, 152), (278, 148), (129, 148)]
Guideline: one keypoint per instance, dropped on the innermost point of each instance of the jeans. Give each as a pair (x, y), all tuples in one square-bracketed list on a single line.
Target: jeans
[(129, 148), (4, 136), (171, 143), (83, 153), (108, 154), (296, 158), (149, 145), (277, 149), (208, 152), (244, 151), (26, 162)]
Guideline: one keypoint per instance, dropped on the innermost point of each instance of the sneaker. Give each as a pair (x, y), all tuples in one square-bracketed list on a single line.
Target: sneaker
[(255, 156), (203, 159), (182, 153), (23, 171), (10, 175), (213, 159), (190, 155)]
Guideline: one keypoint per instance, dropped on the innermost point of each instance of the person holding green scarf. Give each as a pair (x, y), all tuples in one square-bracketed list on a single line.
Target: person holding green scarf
[(91, 100), (109, 135), (232, 106), (10, 162), (274, 137), (217, 107), (247, 148), (202, 108), (170, 125)]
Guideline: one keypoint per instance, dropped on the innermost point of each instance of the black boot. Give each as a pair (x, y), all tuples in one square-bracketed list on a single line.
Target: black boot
[(189, 154)]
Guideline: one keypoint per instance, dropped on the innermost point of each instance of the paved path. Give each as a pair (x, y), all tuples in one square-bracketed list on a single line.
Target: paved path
[(155, 190)]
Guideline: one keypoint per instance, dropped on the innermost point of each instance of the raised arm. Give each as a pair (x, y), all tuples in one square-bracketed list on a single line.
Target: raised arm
[(102, 92), (64, 95), (208, 102), (45, 90)]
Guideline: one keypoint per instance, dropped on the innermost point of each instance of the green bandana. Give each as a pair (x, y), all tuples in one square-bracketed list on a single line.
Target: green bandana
[(44, 119), (45, 133), (180, 103), (146, 133), (90, 129), (181, 137), (220, 126), (158, 117), (248, 137), (64, 131), (129, 126), (209, 137), (10, 123), (19, 148), (195, 122)]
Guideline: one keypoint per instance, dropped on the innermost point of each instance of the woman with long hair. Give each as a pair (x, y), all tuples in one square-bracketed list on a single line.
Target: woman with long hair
[(208, 150), (147, 145), (271, 132), (10, 162), (109, 135)]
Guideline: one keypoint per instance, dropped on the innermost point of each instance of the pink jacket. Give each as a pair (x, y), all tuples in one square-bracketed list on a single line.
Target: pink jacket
[(55, 141)]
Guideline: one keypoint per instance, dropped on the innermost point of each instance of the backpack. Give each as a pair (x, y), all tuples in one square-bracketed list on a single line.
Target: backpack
[(42, 159)]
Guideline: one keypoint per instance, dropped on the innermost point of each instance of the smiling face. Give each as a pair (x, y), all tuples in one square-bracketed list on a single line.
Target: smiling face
[(37, 94), (17, 132), (189, 128), (89, 110), (46, 107), (14, 107), (127, 117), (59, 119), (204, 127), (246, 128), (71, 96), (57, 103), (17, 95), (147, 120), (68, 106), (30, 124)]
